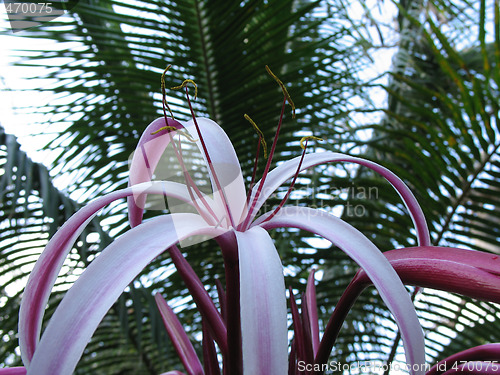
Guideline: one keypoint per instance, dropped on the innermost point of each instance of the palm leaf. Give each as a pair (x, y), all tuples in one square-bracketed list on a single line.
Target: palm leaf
[(440, 134), (108, 90)]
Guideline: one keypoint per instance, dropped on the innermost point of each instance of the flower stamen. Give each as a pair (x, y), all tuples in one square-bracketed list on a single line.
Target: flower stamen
[(184, 84), (286, 98), (262, 140), (164, 95), (283, 88), (191, 185), (289, 191), (264, 145), (305, 139), (205, 150), (173, 128)]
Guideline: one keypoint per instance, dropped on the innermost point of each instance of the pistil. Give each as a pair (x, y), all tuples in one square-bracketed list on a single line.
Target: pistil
[(190, 184)]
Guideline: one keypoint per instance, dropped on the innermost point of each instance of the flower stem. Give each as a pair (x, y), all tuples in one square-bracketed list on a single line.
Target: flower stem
[(234, 360), (203, 301)]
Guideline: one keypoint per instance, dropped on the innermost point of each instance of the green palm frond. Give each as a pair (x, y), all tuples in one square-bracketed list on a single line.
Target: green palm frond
[(104, 84), (440, 133)]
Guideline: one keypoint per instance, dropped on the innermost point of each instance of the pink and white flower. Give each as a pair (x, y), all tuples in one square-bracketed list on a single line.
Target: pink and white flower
[(252, 332)]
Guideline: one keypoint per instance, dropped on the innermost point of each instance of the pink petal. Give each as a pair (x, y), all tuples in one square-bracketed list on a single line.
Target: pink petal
[(179, 338), (210, 360), (13, 371), (471, 273), (312, 308), (46, 269), (220, 149), (489, 353), (95, 291), (366, 254), (301, 335), (203, 301), (262, 305), (144, 162), (476, 368), (287, 170)]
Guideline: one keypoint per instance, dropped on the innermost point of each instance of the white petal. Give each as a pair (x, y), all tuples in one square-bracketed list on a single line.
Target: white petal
[(375, 264), (95, 291), (47, 267), (262, 304), (225, 163), (287, 170)]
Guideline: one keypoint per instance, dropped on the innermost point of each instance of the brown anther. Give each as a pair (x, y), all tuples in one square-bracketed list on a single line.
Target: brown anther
[(164, 92), (173, 128), (283, 88), (259, 132), (185, 83), (305, 139)]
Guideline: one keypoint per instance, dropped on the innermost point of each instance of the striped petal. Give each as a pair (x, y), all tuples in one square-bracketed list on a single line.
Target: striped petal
[(179, 338), (225, 164), (287, 170), (100, 285), (144, 161), (376, 266), (467, 272), (312, 311), (262, 305), (13, 371), (46, 269), (223, 157)]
